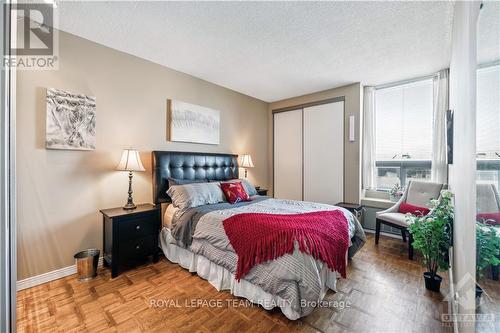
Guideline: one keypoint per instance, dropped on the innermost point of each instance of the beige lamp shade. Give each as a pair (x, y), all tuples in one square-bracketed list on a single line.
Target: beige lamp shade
[(246, 161), (130, 161)]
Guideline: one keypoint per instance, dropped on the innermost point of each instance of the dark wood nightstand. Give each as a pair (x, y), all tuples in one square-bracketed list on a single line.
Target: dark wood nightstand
[(130, 236), (261, 191), (356, 209)]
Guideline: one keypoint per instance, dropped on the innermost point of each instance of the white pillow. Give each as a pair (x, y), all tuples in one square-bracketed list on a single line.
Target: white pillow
[(195, 194)]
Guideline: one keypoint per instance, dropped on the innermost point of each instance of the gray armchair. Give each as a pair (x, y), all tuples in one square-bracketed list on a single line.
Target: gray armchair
[(418, 193), (487, 200)]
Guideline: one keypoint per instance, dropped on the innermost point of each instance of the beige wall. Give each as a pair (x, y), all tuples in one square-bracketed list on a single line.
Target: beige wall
[(60, 192), (352, 159)]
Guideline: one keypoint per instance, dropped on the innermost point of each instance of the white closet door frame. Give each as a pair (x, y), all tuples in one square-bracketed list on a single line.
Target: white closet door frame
[(301, 107)]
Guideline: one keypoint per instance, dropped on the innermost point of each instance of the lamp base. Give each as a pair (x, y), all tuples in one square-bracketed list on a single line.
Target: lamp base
[(129, 206), (130, 202)]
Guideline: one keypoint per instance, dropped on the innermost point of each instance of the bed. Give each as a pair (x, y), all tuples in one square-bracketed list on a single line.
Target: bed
[(195, 238)]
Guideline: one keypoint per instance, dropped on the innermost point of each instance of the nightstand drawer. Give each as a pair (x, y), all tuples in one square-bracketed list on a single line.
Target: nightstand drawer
[(137, 227), (137, 248)]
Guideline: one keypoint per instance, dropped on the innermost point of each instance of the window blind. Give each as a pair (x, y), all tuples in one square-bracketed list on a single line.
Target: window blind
[(488, 112), (403, 121)]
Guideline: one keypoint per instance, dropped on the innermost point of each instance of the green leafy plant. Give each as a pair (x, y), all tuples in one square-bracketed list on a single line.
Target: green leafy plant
[(487, 248), (432, 233)]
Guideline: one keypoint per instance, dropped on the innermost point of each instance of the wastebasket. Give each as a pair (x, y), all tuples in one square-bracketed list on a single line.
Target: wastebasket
[(86, 264)]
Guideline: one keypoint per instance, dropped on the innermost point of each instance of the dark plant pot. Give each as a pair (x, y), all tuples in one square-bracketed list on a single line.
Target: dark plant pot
[(479, 293), (432, 284)]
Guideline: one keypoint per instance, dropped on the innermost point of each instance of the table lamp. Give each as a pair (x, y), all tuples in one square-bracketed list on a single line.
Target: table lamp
[(246, 162), (130, 161)]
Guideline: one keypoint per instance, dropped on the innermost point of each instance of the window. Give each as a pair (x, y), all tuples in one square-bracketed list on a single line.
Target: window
[(403, 126), (488, 126)]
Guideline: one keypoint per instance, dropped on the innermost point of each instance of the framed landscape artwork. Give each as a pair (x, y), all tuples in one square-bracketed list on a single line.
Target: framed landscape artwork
[(192, 123), (70, 120)]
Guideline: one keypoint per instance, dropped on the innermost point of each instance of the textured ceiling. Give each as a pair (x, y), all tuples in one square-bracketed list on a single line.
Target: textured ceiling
[(274, 50)]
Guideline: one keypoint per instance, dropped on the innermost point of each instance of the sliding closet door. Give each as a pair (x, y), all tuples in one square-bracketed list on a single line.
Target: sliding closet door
[(288, 155), (324, 153)]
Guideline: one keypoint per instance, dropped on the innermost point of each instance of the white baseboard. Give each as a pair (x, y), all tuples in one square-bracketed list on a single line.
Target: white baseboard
[(370, 231), (49, 276)]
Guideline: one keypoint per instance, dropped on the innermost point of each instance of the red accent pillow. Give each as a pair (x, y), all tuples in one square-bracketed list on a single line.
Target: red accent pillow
[(414, 210), (234, 192), (489, 218)]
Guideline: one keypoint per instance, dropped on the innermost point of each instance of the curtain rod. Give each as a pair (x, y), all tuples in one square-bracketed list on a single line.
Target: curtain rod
[(398, 83), (430, 76), (489, 64)]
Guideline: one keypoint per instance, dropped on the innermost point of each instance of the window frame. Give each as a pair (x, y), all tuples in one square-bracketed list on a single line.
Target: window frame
[(486, 162), (402, 163)]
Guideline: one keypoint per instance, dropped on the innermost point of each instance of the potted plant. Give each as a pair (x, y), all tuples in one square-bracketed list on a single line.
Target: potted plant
[(432, 237), (487, 251)]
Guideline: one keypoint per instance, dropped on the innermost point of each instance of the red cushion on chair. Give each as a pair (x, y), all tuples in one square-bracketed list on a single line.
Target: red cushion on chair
[(489, 218), (414, 210), (234, 192)]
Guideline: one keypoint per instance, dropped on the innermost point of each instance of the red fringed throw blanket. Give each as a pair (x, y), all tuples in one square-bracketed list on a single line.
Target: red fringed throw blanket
[(258, 237)]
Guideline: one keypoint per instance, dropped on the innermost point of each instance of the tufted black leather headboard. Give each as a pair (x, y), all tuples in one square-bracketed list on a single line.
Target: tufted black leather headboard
[(185, 165)]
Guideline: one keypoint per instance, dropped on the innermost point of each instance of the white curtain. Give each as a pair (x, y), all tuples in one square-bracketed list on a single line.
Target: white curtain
[(439, 171), (369, 138)]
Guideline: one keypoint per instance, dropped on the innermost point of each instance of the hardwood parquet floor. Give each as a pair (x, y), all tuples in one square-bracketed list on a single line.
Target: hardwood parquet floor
[(384, 292), (489, 304)]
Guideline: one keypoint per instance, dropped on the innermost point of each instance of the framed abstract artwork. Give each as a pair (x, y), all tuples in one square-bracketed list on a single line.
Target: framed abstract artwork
[(192, 123), (70, 120)]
